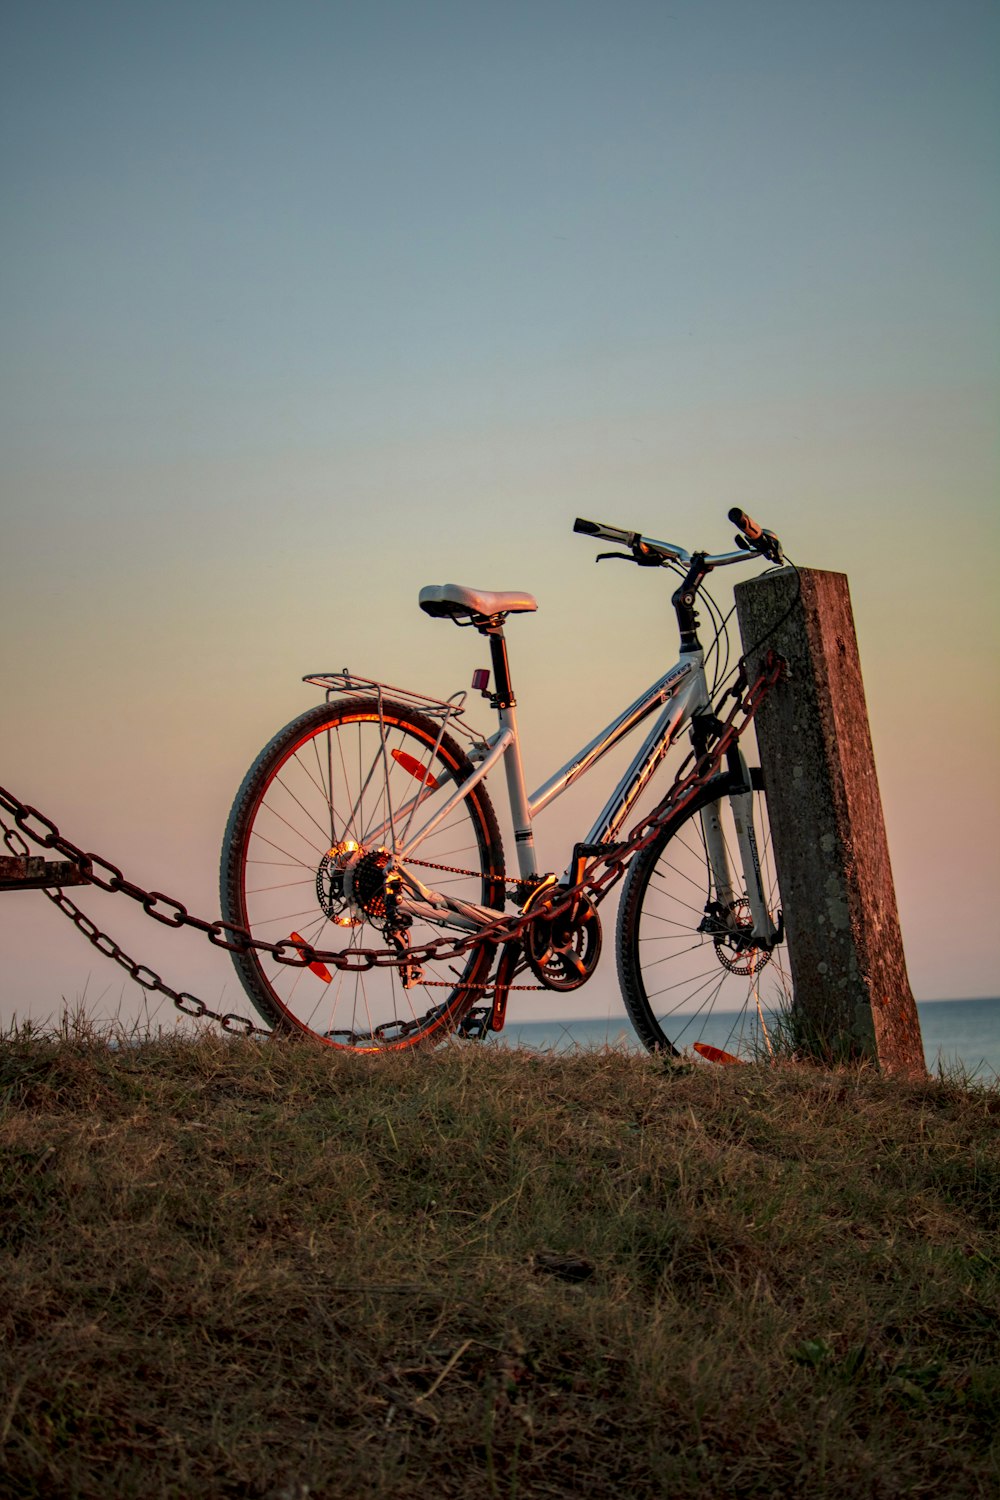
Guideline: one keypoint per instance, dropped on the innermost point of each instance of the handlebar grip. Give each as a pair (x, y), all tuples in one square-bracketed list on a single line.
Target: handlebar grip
[(746, 524), (606, 533), (757, 538)]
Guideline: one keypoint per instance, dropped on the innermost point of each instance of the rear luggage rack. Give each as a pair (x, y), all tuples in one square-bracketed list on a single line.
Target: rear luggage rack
[(450, 710)]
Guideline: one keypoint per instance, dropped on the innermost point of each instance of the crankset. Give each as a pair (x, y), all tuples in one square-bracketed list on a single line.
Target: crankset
[(562, 947)]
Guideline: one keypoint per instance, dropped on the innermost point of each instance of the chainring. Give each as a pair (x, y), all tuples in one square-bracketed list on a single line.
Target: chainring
[(562, 949)]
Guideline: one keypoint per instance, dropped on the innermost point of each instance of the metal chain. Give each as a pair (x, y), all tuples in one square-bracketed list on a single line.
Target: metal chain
[(143, 975), (472, 1023), (235, 939)]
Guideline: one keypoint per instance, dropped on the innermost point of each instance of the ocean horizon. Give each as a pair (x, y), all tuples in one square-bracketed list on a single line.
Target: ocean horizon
[(958, 1035)]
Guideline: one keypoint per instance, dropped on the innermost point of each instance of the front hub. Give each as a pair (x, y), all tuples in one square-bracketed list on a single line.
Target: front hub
[(732, 936)]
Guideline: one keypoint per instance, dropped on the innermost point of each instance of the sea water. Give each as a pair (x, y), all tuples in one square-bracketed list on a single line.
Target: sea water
[(960, 1036)]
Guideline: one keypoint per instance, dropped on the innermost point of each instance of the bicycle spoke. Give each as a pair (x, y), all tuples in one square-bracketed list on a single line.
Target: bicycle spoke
[(345, 774), (714, 983)]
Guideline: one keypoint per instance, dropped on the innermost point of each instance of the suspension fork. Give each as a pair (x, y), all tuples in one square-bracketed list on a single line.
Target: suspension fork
[(726, 893)]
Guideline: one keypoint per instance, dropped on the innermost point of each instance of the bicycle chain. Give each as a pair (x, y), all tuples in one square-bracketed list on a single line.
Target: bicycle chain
[(236, 939)]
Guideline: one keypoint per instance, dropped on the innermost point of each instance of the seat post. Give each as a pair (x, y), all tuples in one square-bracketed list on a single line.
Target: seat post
[(503, 695)]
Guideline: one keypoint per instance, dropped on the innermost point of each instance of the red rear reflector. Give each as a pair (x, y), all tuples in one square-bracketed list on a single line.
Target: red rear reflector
[(716, 1055), (317, 967), (414, 767)]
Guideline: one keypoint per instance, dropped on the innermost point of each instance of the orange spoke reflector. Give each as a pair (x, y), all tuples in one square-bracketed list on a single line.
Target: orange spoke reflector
[(317, 967), (411, 764), (716, 1055)]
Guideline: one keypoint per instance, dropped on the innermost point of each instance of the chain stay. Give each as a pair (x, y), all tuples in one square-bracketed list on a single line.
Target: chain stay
[(235, 939)]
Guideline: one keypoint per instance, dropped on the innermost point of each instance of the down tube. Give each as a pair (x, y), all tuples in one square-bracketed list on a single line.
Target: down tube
[(649, 755)]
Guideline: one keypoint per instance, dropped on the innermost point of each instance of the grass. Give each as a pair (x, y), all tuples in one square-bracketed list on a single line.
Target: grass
[(247, 1270)]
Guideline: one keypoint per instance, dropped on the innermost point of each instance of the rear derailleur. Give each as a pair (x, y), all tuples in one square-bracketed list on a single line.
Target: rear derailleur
[(397, 932)]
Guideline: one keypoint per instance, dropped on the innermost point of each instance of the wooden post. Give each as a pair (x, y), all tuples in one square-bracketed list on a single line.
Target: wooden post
[(852, 997)]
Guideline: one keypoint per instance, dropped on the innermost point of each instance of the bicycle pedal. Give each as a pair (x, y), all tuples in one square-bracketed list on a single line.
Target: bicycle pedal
[(475, 1024)]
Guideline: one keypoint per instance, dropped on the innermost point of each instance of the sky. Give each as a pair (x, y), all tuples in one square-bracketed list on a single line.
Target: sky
[(307, 305)]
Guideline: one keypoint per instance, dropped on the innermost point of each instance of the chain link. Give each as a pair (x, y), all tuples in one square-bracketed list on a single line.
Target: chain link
[(595, 884)]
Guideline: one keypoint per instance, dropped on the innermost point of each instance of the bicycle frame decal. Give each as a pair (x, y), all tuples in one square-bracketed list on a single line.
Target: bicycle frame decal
[(682, 703), (660, 692)]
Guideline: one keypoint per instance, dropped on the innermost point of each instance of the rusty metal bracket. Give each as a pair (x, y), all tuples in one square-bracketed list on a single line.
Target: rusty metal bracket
[(27, 872)]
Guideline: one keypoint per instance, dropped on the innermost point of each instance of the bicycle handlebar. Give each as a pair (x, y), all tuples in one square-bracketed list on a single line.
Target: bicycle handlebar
[(753, 538)]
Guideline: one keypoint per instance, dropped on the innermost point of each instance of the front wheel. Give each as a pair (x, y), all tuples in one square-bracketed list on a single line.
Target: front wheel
[(309, 836), (691, 978)]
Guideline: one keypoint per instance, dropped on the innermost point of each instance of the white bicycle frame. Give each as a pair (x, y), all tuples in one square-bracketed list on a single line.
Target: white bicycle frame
[(682, 692)]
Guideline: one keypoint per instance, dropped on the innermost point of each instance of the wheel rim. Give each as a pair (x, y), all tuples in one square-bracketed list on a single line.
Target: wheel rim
[(330, 807), (703, 993)]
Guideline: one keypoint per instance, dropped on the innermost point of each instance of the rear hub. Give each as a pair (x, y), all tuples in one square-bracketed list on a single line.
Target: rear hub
[(350, 884)]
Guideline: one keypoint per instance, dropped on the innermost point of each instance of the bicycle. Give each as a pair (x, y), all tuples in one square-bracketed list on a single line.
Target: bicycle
[(369, 814)]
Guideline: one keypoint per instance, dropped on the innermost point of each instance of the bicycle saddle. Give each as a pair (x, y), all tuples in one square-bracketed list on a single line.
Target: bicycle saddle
[(452, 600)]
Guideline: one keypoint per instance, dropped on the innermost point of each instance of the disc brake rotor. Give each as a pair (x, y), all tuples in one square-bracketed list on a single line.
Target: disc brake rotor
[(330, 884), (734, 950)]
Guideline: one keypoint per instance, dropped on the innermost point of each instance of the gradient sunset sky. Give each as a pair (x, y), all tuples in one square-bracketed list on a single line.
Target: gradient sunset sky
[(306, 305)]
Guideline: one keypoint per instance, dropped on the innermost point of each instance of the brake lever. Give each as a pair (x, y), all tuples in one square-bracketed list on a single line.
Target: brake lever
[(639, 555), (768, 546)]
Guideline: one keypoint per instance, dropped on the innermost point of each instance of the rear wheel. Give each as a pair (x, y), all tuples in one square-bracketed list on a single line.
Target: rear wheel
[(311, 832), (689, 979)]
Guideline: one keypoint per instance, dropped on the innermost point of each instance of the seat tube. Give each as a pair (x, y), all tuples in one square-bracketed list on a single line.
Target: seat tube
[(520, 812), (505, 704)]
